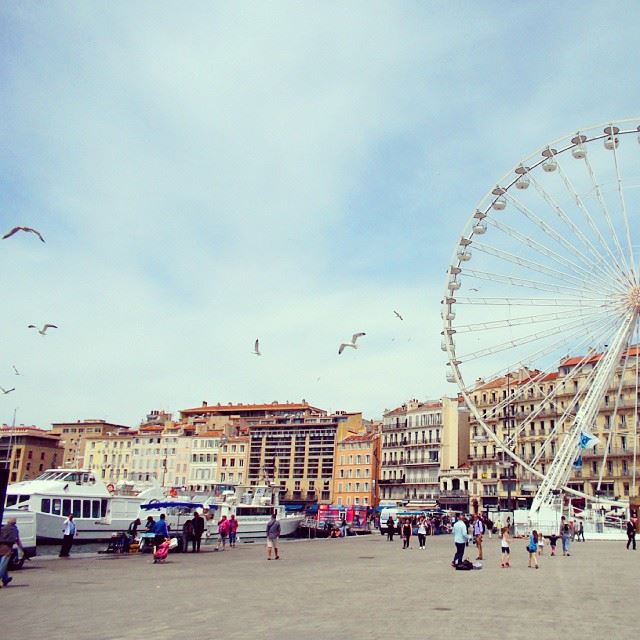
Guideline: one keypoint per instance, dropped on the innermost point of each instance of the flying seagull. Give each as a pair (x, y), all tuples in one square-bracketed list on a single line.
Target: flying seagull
[(473, 289), (5, 391), (26, 229), (399, 316), (14, 368), (256, 348), (43, 331), (351, 344)]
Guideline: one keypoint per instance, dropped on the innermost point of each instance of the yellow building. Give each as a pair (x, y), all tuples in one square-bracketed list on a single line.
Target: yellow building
[(233, 460), (72, 435), (110, 456), (357, 462), (29, 451), (532, 410)]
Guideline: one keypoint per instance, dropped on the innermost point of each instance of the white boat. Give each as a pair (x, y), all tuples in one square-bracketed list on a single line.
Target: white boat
[(252, 507), (97, 509), (26, 522)]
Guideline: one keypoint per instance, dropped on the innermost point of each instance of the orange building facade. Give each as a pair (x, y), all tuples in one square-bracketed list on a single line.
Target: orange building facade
[(357, 463)]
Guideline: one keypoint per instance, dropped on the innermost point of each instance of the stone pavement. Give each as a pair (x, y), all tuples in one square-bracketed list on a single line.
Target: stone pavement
[(361, 587)]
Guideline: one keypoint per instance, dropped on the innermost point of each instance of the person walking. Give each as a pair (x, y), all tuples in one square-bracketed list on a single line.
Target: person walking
[(273, 536), (223, 533), (390, 529), (233, 530), (460, 538), (161, 530), (581, 531), (406, 531), (553, 541), (187, 535), (565, 533), (422, 533), (68, 531), (540, 544), (532, 548), (631, 533), (478, 532), (505, 550), (198, 529), (9, 535), (343, 527)]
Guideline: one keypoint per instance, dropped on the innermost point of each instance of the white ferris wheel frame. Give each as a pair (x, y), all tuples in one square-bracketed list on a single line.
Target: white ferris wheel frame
[(558, 474)]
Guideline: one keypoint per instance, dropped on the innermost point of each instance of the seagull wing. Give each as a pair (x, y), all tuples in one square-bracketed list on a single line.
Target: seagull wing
[(10, 390), (256, 346), (399, 316), (49, 326), (355, 336), (10, 233), (3, 390), (32, 326), (14, 368), (342, 346), (30, 230)]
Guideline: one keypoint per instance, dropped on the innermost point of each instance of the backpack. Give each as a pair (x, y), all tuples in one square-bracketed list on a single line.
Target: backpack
[(465, 565)]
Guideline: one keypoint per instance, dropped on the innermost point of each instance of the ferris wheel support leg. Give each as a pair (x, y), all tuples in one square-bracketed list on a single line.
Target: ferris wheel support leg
[(560, 470)]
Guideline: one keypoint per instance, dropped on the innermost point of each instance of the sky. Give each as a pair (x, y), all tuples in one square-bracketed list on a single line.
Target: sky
[(212, 173)]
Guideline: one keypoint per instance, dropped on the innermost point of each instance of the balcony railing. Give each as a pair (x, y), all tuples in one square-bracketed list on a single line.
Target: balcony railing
[(418, 463), (454, 493)]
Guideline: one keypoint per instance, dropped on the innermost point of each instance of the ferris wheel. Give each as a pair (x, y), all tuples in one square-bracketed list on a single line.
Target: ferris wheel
[(546, 274)]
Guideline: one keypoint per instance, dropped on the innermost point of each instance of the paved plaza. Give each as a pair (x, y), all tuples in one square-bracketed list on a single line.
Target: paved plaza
[(361, 587)]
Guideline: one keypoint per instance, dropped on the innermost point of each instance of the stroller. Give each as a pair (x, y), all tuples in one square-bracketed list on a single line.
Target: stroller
[(161, 553)]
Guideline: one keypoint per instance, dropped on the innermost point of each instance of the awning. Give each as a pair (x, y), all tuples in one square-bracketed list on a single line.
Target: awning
[(293, 507)]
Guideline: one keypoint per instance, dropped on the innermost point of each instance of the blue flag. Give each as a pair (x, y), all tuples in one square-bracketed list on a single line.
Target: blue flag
[(587, 440), (577, 463)]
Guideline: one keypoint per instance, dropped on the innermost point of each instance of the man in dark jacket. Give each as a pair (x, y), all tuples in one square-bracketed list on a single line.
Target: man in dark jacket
[(198, 529), (9, 535)]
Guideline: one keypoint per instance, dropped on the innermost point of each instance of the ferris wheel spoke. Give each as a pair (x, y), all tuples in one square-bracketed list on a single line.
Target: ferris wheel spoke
[(588, 283), (635, 416), (605, 211), (517, 342), (556, 235), (572, 303), (523, 390), (524, 282), (616, 272), (514, 322), (567, 412), (613, 424), (544, 250), (597, 331), (623, 208)]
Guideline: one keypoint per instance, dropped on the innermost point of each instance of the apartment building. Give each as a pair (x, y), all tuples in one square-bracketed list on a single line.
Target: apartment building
[(298, 452), (72, 435), (422, 443), (233, 462), (357, 463), (203, 470), (27, 451), (392, 473), (110, 457)]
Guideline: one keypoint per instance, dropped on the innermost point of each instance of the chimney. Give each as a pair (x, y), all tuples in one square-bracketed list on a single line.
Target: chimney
[(204, 403)]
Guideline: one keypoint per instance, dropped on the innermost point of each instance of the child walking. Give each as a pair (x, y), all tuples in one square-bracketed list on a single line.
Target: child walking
[(532, 548), (553, 540), (540, 544), (504, 547)]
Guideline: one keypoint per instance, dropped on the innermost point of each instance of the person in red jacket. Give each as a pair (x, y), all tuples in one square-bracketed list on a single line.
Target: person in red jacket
[(223, 533), (233, 530)]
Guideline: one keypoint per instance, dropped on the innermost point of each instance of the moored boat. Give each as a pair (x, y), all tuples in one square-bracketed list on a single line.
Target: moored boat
[(98, 510)]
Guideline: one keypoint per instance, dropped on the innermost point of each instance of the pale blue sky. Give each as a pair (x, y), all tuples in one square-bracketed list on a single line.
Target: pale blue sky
[(289, 171)]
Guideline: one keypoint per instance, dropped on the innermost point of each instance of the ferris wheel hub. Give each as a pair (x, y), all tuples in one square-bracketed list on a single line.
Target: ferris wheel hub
[(633, 299)]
